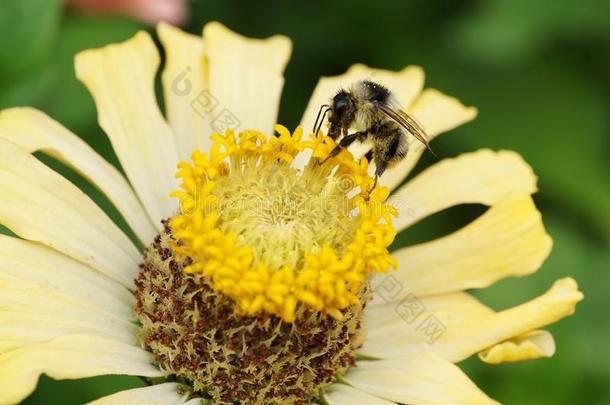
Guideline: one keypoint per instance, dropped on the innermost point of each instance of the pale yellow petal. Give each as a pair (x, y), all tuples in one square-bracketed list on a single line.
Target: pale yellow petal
[(482, 177), (69, 357), (121, 78), (533, 345), (420, 379), (24, 328), (416, 324), (341, 394), (34, 131), (246, 77), (188, 101), (40, 205), (509, 239), (160, 394), (454, 330), (412, 306), (32, 313), (40, 265), (437, 113), (405, 84)]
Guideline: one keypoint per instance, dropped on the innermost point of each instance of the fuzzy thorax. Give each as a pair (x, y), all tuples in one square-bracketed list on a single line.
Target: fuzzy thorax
[(273, 238)]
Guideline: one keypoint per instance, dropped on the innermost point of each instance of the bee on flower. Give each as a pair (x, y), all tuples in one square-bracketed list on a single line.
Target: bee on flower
[(270, 276)]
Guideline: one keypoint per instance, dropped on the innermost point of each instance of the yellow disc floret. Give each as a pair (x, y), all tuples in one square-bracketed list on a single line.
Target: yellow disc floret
[(272, 237)]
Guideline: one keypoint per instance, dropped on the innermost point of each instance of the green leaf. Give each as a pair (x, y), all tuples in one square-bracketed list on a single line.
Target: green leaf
[(554, 116), (28, 29), (78, 392), (508, 31), (68, 101)]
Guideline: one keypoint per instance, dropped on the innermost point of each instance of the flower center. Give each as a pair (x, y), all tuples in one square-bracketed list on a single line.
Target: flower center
[(283, 215), (271, 237), (255, 290)]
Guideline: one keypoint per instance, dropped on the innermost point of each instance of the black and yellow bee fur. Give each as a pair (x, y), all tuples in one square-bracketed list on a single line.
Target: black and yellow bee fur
[(370, 110)]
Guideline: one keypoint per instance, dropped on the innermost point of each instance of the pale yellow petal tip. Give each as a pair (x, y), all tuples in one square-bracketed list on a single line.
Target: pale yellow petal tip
[(358, 67), (407, 70), (280, 45), (566, 289), (18, 112), (164, 28), (534, 345), (86, 61), (519, 160), (166, 31), (510, 159), (168, 35), (177, 41), (412, 73), (467, 113), (546, 246), (541, 240), (413, 70)]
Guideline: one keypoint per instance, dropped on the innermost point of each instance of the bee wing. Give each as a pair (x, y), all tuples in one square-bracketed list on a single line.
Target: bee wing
[(407, 122)]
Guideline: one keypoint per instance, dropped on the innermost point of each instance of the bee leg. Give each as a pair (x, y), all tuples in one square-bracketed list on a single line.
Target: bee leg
[(378, 172), (381, 166), (368, 156), (396, 150), (345, 142), (374, 184)]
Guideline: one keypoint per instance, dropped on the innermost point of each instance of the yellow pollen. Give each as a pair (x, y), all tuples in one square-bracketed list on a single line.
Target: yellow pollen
[(272, 237)]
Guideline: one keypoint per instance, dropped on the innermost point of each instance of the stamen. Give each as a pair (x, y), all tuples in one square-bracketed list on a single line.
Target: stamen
[(272, 237)]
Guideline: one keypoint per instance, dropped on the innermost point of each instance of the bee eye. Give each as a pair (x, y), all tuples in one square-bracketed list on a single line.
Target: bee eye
[(340, 105)]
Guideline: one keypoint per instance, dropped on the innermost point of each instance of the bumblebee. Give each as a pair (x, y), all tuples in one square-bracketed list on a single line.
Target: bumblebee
[(372, 111)]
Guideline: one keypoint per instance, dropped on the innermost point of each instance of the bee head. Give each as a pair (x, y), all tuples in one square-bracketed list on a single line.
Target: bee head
[(342, 113)]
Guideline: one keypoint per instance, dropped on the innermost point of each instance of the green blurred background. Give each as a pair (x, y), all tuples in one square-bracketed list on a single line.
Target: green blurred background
[(539, 72)]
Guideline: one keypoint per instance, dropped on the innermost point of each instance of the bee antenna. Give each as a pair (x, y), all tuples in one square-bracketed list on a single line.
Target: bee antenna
[(318, 117), (433, 153), (316, 130)]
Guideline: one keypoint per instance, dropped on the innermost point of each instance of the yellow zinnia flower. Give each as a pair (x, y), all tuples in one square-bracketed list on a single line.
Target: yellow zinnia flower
[(267, 279)]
